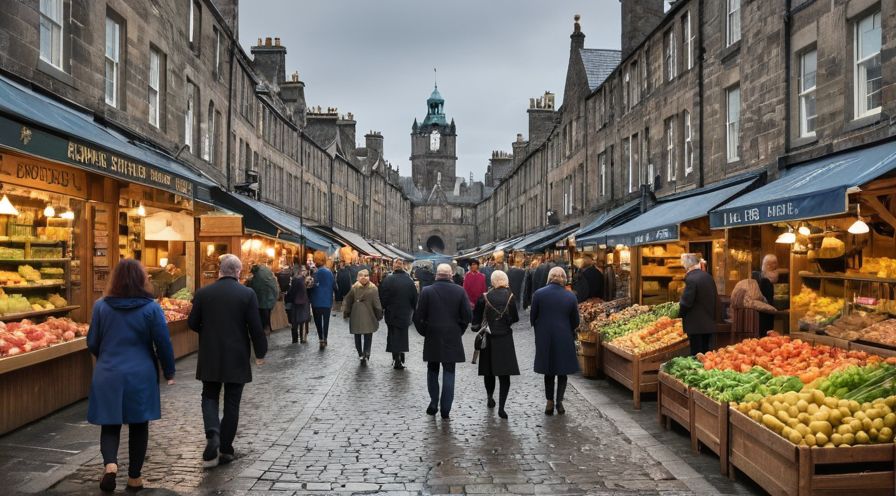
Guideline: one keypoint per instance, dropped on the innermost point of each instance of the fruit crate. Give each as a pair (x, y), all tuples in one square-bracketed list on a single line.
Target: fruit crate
[(639, 373), (874, 349), (183, 340), (807, 337), (831, 341), (709, 426), (673, 402), (783, 468)]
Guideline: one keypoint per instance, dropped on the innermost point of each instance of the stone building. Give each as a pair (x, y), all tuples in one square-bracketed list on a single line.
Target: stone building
[(704, 92)]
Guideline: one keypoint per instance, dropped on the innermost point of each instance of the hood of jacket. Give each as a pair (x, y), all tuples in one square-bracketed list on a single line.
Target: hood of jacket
[(127, 303)]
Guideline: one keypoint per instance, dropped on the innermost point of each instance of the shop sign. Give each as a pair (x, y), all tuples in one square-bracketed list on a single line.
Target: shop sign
[(86, 156), (786, 209), (42, 175), (650, 236)]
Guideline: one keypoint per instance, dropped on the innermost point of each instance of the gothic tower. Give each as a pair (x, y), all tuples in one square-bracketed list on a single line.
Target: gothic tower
[(434, 148)]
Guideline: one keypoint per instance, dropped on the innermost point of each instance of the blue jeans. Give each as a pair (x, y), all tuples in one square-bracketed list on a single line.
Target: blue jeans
[(321, 321), (432, 383)]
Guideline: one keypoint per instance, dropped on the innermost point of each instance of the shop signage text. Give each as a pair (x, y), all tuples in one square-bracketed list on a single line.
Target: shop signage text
[(807, 207), (127, 169), (651, 236), (48, 176)]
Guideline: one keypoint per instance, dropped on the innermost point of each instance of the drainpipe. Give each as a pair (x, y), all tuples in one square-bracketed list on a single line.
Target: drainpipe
[(230, 115), (700, 12), (787, 83)]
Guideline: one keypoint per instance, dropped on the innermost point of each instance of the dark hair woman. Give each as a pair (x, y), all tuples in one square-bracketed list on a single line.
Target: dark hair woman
[(128, 335)]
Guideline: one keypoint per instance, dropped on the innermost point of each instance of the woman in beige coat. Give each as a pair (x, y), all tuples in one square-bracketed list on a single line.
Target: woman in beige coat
[(363, 309)]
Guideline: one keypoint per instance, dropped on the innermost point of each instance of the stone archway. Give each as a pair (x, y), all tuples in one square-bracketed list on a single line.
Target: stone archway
[(435, 244)]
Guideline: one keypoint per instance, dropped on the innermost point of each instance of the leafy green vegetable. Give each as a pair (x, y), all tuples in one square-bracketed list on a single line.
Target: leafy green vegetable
[(728, 385)]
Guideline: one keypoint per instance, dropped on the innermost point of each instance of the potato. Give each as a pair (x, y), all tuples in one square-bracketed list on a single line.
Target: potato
[(822, 427), (813, 409), (756, 415), (835, 417), (802, 429), (867, 424), (810, 439), (831, 402), (794, 437), (855, 425), (817, 396), (837, 439), (772, 423), (767, 409), (854, 406), (791, 398), (802, 405), (804, 418), (849, 439), (844, 429), (860, 415), (793, 423), (890, 420), (829, 445), (792, 412), (822, 415), (885, 435), (783, 416), (862, 437), (877, 424), (821, 439), (874, 413)]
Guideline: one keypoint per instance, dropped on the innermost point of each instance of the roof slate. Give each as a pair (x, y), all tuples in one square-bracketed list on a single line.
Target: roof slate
[(599, 63)]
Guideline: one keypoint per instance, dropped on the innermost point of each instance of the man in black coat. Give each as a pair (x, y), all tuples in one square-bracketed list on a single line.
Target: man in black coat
[(540, 276), (589, 282), (424, 276), (698, 305), (225, 314), (344, 283), (442, 316), (398, 295), (516, 276)]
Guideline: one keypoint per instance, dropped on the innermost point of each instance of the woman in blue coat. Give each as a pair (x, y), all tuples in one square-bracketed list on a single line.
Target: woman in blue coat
[(127, 335), (322, 297), (555, 317)]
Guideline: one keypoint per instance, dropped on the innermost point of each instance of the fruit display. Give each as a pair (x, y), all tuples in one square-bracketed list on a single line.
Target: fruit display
[(11, 253), (590, 309), (29, 273), (851, 327), (175, 309), (658, 334), (183, 294), (811, 418), (633, 319), (782, 355), (879, 267), (728, 385), (883, 332), (860, 383), (25, 336), (820, 310)]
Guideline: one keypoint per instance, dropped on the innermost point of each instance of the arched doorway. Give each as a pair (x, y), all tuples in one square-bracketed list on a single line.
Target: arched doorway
[(435, 244)]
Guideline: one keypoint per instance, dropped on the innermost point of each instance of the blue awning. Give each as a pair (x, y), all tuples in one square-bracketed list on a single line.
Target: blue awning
[(41, 126), (604, 221), (534, 237), (508, 243), (661, 223), (548, 241), (816, 189), (401, 253)]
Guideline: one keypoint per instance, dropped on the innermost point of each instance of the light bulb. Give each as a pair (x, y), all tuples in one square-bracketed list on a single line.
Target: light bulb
[(786, 238), (804, 230), (163, 262), (69, 215), (620, 247), (256, 244), (858, 227), (49, 211), (6, 207), (270, 252), (141, 211)]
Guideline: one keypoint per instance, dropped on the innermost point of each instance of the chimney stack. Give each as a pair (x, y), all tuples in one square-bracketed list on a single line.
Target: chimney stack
[(374, 142), (639, 18), (269, 61)]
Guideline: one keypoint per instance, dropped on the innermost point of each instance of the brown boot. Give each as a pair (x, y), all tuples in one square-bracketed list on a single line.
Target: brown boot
[(549, 408)]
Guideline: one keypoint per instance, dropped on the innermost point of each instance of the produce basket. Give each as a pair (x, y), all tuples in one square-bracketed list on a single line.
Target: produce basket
[(783, 468), (639, 373), (673, 402), (709, 427)]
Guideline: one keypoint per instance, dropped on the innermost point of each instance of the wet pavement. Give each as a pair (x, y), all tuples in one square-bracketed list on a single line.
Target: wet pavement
[(319, 422)]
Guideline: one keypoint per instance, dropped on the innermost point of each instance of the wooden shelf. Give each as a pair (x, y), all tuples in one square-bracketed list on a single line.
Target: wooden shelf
[(661, 256), (8, 364), (34, 260), (840, 276), (38, 313), (33, 286), (661, 276), (34, 242)]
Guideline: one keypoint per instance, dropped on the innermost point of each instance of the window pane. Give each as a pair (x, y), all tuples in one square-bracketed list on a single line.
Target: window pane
[(869, 36), (111, 48), (872, 83), (46, 39), (52, 9), (110, 82), (809, 69)]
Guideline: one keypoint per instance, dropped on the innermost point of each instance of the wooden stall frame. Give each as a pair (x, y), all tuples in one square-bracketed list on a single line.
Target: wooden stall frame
[(639, 372), (673, 402), (709, 426), (783, 468)]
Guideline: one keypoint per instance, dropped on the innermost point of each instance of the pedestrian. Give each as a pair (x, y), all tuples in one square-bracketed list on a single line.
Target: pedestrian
[(441, 317), (498, 309), (474, 283), (589, 281), (458, 276), (343, 283), (516, 277), (225, 314), (363, 309), (127, 335), (528, 283), (322, 297), (540, 275), (486, 271), (299, 304), (767, 278), (398, 295), (555, 317), (266, 290), (424, 275), (698, 305)]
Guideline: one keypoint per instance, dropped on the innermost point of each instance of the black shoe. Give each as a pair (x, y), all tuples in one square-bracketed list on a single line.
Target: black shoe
[(502, 414), (491, 403), (210, 455), (398, 365), (225, 458), (366, 356), (560, 409), (107, 484), (445, 416), (432, 410)]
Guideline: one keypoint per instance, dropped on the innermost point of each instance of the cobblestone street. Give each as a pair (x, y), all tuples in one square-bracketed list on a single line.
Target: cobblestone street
[(318, 422)]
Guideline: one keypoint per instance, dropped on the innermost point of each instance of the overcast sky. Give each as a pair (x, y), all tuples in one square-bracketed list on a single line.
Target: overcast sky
[(376, 58)]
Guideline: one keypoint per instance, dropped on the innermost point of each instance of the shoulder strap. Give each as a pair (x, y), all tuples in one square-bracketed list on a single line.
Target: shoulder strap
[(502, 312)]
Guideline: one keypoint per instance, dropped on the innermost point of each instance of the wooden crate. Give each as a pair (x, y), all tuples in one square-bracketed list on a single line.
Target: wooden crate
[(588, 365), (874, 350), (673, 402), (783, 468), (709, 426), (183, 340), (831, 341), (638, 372), (807, 337)]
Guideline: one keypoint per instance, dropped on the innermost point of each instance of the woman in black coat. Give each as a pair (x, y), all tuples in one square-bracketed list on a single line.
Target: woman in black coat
[(398, 295), (344, 281), (299, 305), (498, 309), (555, 317)]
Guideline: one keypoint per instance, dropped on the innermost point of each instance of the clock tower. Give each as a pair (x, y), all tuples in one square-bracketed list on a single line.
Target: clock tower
[(434, 148)]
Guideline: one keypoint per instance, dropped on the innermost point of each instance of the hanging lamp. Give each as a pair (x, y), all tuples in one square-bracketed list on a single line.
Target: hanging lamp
[(859, 226)]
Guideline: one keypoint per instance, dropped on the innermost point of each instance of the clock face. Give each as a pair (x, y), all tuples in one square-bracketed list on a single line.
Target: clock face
[(434, 140)]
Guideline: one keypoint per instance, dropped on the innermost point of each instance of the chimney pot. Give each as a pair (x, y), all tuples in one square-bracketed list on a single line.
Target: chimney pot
[(267, 41), (259, 41), (277, 41)]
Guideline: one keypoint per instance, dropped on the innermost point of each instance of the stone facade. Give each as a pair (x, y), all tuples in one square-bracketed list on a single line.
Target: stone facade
[(237, 117)]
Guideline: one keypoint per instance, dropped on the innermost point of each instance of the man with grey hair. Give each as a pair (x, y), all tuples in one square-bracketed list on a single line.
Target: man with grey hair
[(225, 314), (441, 317), (698, 305)]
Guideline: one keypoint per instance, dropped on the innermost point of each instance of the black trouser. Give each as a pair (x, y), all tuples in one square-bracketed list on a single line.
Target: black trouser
[(265, 314), (226, 425), (138, 438), (502, 392), (549, 387), (398, 357), (701, 343), (367, 340), (295, 312), (432, 384), (321, 321)]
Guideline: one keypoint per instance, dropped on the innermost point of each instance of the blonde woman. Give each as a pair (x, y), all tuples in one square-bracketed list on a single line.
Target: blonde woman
[(363, 309), (498, 309)]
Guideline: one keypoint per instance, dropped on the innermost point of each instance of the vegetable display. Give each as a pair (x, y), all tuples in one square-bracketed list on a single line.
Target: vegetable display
[(861, 384), (659, 334), (626, 323), (728, 385)]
